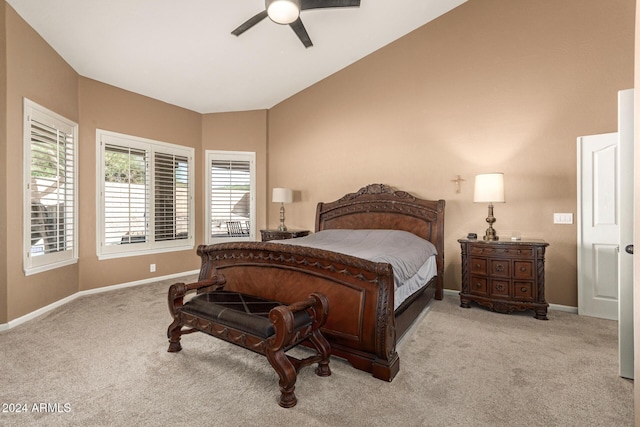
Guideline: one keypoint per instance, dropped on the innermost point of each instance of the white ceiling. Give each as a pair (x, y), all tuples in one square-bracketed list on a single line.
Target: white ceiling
[(182, 52)]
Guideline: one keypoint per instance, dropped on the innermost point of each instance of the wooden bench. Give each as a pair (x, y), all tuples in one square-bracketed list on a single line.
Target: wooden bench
[(263, 326)]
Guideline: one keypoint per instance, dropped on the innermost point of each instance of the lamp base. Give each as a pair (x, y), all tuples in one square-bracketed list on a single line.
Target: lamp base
[(490, 235), (282, 227)]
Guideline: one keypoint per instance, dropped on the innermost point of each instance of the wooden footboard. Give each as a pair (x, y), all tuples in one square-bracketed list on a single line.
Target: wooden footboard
[(361, 327)]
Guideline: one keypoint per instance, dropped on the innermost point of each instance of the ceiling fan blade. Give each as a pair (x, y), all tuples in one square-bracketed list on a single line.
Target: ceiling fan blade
[(249, 23), (298, 28), (319, 4)]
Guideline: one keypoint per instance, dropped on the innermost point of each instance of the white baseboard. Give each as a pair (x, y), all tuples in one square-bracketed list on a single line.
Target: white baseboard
[(557, 307), (59, 303), (567, 308), (452, 292)]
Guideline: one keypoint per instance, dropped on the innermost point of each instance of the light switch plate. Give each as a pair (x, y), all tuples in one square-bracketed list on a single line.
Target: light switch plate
[(563, 218)]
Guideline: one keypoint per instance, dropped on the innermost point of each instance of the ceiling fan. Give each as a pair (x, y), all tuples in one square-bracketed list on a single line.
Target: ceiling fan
[(288, 12)]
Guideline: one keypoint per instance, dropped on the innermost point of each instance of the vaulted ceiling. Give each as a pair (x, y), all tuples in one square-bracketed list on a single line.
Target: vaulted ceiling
[(183, 52)]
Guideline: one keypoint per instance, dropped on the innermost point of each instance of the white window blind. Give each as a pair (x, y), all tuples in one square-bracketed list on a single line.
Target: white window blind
[(125, 195), (50, 189), (231, 190), (146, 196), (171, 197)]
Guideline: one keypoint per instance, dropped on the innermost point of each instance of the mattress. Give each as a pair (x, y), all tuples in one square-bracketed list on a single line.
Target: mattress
[(411, 257)]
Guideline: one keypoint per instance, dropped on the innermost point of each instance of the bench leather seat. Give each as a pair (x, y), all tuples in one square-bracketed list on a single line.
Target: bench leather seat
[(245, 312)]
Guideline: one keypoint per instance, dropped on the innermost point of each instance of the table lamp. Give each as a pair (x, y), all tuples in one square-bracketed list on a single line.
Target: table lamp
[(282, 196), (489, 188)]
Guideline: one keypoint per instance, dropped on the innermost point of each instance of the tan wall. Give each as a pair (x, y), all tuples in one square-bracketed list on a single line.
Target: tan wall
[(241, 131), (36, 72), (110, 108), (3, 170), (494, 85)]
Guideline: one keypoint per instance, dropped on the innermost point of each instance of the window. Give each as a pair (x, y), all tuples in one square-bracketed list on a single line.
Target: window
[(50, 203), (231, 198), (145, 196)]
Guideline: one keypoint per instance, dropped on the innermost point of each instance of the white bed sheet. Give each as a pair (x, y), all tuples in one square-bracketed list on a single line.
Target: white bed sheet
[(428, 271)]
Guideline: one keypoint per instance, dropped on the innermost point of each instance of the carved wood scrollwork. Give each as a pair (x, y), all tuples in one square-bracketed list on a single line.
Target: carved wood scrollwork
[(295, 256), (386, 339), (377, 189)]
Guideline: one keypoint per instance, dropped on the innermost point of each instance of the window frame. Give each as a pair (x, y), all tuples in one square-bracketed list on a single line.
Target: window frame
[(250, 156), (151, 148), (54, 260)]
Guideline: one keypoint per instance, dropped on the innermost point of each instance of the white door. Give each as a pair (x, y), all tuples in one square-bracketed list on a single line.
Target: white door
[(598, 226), (605, 227), (626, 131)]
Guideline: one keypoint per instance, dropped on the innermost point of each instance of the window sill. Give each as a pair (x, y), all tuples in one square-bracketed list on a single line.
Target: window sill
[(131, 253), (42, 268)]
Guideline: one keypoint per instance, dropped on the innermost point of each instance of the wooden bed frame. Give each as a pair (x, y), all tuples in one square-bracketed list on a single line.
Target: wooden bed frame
[(362, 326)]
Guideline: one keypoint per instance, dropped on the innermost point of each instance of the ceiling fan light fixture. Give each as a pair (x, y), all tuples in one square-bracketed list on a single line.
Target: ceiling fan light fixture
[(283, 11)]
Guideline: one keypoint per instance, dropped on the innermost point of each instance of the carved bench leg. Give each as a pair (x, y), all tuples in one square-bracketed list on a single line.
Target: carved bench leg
[(324, 351), (287, 373), (173, 333)]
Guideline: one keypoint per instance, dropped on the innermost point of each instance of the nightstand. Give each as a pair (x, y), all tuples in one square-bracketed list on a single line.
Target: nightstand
[(504, 275), (281, 235)]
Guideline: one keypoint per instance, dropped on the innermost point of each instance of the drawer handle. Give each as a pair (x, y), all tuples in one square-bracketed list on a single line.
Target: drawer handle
[(477, 265), (499, 267), (478, 285), (523, 269), (523, 289), (500, 287)]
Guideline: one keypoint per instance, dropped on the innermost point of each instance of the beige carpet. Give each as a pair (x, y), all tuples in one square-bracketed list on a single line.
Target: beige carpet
[(101, 360)]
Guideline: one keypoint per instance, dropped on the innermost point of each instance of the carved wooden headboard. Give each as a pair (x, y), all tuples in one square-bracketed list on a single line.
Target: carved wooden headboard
[(378, 206)]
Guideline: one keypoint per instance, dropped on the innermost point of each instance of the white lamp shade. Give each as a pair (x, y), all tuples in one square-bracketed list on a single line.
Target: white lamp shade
[(283, 11), (282, 195), (489, 188)]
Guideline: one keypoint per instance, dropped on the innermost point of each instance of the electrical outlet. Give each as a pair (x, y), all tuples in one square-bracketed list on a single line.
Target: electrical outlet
[(152, 268), (563, 218)]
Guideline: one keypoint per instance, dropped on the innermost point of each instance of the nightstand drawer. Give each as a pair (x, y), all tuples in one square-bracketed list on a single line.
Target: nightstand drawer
[(523, 291), (282, 235), (500, 268), (511, 252), (478, 285), (499, 288), (479, 266), (523, 269)]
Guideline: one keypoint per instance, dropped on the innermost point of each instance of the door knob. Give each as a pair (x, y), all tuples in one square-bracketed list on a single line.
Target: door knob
[(629, 249)]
